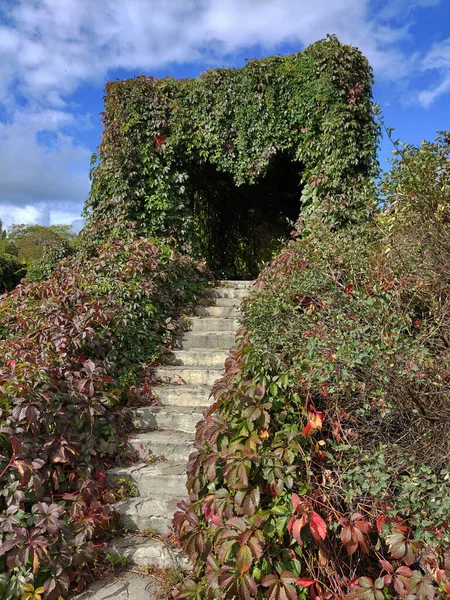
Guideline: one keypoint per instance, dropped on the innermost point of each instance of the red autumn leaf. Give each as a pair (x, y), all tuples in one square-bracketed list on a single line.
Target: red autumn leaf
[(318, 527), (305, 582), (405, 571), (347, 538), (387, 566), (337, 430), (380, 522), (440, 575), (295, 527), (354, 534), (244, 559), (101, 478), (306, 429), (315, 420), (295, 499)]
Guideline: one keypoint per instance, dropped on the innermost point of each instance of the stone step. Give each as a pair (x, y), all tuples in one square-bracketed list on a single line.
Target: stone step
[(153, 512), (161, 477), (172, 445), (201, 357), (188, 375), (143, 551), (183, 395), (214, 324), (123, 586), (237, 283), (225, 302), (221, 340), (176, 418), (226, 292), (218, 311)]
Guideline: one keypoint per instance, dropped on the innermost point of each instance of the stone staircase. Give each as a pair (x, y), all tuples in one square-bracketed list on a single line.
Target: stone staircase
[(165, 433)]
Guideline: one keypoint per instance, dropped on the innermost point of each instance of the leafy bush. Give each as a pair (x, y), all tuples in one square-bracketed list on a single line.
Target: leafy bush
[(12, 270), (70, 347), (31, 241), (52, 254), (40, 247), (322, 468)]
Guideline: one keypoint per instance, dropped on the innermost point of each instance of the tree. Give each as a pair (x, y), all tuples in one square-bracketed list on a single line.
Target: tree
[(12, 269), (33, 240)]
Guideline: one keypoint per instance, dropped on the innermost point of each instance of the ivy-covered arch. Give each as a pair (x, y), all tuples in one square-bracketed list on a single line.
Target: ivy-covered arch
[(217, 163)]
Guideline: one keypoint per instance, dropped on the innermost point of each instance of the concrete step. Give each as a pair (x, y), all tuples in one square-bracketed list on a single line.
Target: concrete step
[(158, 478), (226, 292), (172, 445), (183, 395), (218, 311), (123, 586), (177, 418), (201, 357), (221, 340), (236, 283), (142, 551), (188, 375), (154, 512), (214, 324), (225, 302)]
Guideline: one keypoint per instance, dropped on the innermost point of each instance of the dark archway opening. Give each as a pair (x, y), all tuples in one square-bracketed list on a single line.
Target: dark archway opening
[(240, 227)]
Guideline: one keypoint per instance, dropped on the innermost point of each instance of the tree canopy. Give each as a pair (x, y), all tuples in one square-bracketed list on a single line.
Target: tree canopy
[(32, 240)]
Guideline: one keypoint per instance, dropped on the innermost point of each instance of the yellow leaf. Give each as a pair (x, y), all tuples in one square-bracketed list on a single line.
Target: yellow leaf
[(35, 564), (322, 558)]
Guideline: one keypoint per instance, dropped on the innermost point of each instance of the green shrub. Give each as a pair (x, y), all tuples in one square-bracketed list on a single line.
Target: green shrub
[(31, 241), (322, 468), (12, 270), (52, 255)]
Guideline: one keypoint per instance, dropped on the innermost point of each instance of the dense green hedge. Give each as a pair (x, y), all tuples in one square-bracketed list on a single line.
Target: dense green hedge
[(162, 138)]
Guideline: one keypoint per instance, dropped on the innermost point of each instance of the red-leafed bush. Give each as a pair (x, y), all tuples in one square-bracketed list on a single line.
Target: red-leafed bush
[(70, 347), (322, 468)]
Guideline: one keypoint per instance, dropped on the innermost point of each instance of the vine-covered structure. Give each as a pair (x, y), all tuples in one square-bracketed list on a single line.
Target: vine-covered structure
[(224, 162)]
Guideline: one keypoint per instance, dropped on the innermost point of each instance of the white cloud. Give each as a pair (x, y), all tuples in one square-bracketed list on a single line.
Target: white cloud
[(11, 214), (51, 47), (438, 61), (439, 56), (398, 9), (427, 97), (57, 45), (35, 179)]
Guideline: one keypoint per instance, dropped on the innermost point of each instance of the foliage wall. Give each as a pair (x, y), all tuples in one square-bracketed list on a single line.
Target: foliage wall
[(322, 468), (163, 138)]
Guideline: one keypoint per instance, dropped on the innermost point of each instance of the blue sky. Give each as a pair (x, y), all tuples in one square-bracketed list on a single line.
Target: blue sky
[(56, 56)]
